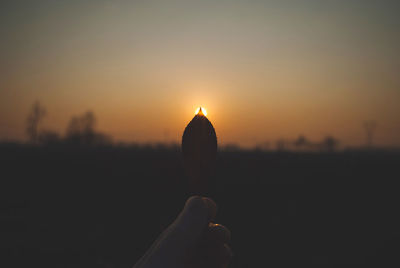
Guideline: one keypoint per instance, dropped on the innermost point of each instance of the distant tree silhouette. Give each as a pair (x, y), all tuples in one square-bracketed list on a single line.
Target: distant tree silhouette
[(81, 130), (302, 142), (35, 117), (370, 127), (329, 144)]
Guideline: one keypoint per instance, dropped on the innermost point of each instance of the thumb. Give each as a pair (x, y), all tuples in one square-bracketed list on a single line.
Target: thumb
[(194, 218), (184, 233)]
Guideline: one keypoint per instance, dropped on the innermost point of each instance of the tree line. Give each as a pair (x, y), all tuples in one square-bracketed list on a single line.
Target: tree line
[(81, 129)]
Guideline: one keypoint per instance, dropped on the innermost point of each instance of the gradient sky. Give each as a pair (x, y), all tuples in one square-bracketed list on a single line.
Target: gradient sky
[(263, 69)]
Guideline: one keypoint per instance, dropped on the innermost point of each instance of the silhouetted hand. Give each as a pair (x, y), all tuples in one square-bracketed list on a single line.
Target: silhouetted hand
[(191, 241)]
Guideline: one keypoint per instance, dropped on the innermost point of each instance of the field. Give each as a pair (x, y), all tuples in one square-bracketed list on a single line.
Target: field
[(63, 206)]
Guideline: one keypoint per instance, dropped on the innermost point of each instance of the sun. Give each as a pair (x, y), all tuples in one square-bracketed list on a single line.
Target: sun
[(201, 111)]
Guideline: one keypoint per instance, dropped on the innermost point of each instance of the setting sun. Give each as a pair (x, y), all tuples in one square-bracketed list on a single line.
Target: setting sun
[(201, 110)]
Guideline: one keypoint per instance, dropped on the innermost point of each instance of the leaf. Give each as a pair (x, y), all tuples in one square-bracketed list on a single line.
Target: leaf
[(199, 147)]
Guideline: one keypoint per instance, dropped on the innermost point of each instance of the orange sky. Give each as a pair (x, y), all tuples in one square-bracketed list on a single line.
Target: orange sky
[(264, 70)]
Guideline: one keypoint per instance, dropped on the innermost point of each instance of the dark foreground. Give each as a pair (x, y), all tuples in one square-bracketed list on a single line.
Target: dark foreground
[(102, 207)]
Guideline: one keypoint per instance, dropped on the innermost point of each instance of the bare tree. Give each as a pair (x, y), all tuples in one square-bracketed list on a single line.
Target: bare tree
[(35, 117), (370, 127), (81, 130)]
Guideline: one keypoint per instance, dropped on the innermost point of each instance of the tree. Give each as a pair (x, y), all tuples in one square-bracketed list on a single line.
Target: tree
[(81, 130), (329, 144), (35, 117), (301, 142)]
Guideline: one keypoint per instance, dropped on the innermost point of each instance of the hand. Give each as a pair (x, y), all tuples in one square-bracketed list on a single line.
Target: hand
[(191, 241)]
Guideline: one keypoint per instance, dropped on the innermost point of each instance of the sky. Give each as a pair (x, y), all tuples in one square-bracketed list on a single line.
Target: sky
[(264, 70)]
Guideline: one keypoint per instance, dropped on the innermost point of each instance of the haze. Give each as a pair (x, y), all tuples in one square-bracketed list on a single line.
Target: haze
[(264, 70)]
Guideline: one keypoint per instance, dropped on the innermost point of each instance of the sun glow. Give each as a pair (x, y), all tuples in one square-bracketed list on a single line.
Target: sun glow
[(201, 111)]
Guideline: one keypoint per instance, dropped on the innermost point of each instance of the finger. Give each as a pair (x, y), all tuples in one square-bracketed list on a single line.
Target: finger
[(194, 218), (218, 232), (223, 256), (215, 255), (229, 254)]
